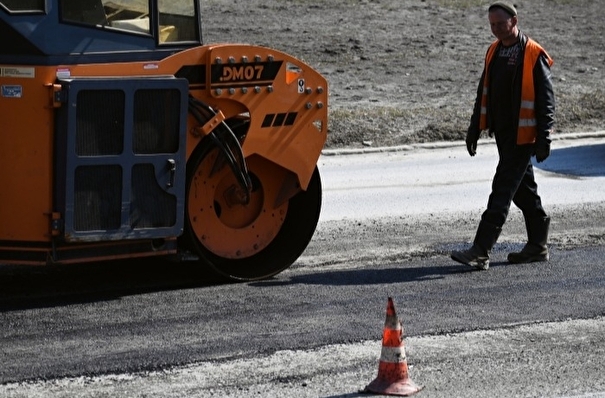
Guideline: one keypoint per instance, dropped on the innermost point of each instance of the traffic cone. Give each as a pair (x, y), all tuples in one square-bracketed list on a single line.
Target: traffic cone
[(393, 378)]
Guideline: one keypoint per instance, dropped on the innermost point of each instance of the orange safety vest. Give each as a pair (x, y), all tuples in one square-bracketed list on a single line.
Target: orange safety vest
[(527, 131)]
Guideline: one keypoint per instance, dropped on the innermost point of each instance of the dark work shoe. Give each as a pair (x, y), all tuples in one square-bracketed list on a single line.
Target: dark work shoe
[(529, 254), (474, 257)]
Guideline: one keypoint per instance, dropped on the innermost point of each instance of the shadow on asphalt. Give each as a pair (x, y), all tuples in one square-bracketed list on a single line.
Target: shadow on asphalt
[(26, 287), (580, 161), (371, 276)]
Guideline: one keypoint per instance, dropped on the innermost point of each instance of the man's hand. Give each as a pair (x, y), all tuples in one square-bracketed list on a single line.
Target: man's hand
[(542, 150), (471, 141)]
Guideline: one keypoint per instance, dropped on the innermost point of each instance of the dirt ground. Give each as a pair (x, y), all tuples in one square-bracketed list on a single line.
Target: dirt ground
[(406, 71)]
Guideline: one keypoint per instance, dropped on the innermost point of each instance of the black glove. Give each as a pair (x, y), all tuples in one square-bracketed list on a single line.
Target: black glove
[(542, 150), (471, 141)]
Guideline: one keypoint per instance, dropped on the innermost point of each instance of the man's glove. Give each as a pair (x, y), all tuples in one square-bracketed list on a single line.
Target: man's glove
[(472, 136), (542, 150)]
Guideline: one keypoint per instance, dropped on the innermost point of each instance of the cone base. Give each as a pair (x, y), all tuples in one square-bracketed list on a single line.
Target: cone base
[(398, 388)]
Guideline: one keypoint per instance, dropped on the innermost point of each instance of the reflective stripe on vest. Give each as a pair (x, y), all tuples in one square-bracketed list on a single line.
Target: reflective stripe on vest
[(526, 133)]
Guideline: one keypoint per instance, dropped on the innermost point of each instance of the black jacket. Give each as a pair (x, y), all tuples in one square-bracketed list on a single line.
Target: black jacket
[(544, 98)]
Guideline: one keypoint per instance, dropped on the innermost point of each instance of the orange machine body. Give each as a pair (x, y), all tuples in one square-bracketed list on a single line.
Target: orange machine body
[(280, 101)]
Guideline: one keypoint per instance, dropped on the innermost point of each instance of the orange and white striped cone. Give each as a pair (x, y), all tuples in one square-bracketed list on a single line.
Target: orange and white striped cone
[(393, 377)]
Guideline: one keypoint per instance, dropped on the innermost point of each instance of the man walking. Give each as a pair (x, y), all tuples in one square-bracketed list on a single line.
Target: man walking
[(515, 103)]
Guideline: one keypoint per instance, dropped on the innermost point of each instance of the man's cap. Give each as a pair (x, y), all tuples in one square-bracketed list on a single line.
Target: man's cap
[(508, 7)]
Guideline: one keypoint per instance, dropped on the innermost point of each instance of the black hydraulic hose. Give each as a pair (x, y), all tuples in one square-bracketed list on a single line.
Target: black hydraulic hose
[(232, 161), (217, 140), (231, 134), (203, 112), (238, 166)]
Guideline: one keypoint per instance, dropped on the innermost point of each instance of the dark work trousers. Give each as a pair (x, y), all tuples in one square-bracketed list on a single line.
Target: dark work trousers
[(514, 181)]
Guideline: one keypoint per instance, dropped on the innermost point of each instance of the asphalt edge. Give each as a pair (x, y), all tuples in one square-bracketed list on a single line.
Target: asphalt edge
[(445, 144)]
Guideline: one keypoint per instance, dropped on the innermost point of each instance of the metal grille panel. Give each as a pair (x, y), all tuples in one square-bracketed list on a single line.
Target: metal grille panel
[(100, 122), (151, 206), (121, 142), (97, 198), (156, 121)]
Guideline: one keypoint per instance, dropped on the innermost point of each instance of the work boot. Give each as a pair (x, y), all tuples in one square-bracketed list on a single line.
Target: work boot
[(535, 249), (478, 255), (475, 257)]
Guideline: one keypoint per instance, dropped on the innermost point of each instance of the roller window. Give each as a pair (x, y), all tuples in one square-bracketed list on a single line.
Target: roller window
[(24, 5), (177, 19)]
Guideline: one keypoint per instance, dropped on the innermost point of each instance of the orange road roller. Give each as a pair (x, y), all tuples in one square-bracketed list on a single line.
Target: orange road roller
[(123, 136)]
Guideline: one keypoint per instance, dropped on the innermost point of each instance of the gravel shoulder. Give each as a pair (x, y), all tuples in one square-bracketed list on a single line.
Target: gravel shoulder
[(555, 359)]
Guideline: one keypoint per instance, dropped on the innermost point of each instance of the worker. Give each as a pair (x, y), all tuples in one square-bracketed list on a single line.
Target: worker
[(515, 103)]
